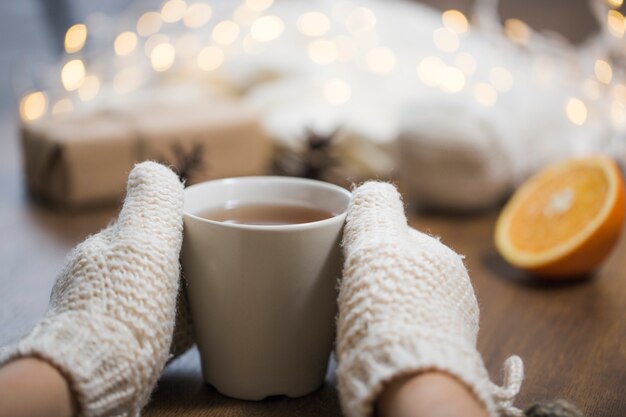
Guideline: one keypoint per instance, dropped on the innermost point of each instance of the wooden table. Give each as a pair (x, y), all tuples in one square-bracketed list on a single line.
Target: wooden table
[(572, 337)]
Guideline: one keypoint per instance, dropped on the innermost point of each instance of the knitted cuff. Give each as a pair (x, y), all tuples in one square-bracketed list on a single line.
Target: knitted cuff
[(95, 355), (364, 371)]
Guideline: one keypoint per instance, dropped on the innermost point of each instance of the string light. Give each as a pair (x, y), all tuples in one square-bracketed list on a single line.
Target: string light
[(501, 79), (89, 89), (313, 24), (466, 63), (149, 23), (455, 21), (576, 111), (63, 106), (430, 70), (485, 94), (173, 10), (603, 71), (259, 5), (446, 40), (616, 23), (73, 74), (517, 31), (33, 106), (210, 58), (452, 80), (127, 80), (75, 38), (125, 43), (322, 51), (381, 60), (361, 19), (346, 48), (337, 92), (267, 28), (226, 32), (162, 57), (197, 15)]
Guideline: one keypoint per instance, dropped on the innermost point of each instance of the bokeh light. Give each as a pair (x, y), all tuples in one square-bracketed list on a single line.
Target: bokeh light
[(173, 10), (501, 79), (33, 106), (485, 94), (75, 38), (452, 80), (225, 32), (455, 20), (125, 43), (313, 24), (430, 70), (73, 74), (149, 23), (267, 28), (576, 111), (210, 58), (197, 15), (90, 88), (603, 71), (337, 92), (445, 39), (322, 51), (381, 60), (162, 57)]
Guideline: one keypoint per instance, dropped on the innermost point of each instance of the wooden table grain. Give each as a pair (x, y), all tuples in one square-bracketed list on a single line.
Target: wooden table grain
[(571, 336)]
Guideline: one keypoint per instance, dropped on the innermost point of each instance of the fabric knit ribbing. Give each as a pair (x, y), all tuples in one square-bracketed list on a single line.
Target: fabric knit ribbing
[(109, 325), (406, 305)]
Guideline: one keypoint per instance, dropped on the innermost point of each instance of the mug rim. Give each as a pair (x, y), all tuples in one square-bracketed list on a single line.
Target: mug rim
[(272, 178)]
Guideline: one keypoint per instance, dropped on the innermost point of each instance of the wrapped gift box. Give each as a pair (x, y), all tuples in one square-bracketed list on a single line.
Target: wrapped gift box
[(84, 159)]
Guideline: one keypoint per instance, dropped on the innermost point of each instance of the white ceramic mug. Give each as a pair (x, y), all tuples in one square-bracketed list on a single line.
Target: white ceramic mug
[(263, 298)]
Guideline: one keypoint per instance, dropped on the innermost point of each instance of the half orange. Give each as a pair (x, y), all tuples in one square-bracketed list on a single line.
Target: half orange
[(565, 220)]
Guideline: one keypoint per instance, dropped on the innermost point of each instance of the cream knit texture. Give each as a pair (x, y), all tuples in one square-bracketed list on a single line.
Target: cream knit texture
[(109, 325), (406, 304)]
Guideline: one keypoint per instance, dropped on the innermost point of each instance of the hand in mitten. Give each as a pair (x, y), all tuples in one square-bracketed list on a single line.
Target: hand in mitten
[(406, 305), (109, 325)]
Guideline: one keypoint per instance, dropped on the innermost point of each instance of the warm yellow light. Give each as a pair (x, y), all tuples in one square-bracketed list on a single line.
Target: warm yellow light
[(430, 70), (127, 80), (604, 72), (153, 41), (616, 23), (517, 31), (591, 89), (259, 5), (455, 20), (197, 15), (173, 10), (73, 74), (501, 79), (452, 80), (210, 58), (75, 38), (576, 111), (125, 43), (162, 57), (33, 106), (361, 19), (446, 39), (89, 89), (267, 28), (381, 60), (337, 92), (322, 51), (63, 106), (226, 32), (149, 23), (615, 3), (346, 48), (485, 94), (466, 63), (244, 15), (313, 24)]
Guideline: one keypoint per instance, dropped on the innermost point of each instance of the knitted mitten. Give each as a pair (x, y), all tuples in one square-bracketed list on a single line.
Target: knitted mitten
[(406, 305), (109, 325)]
